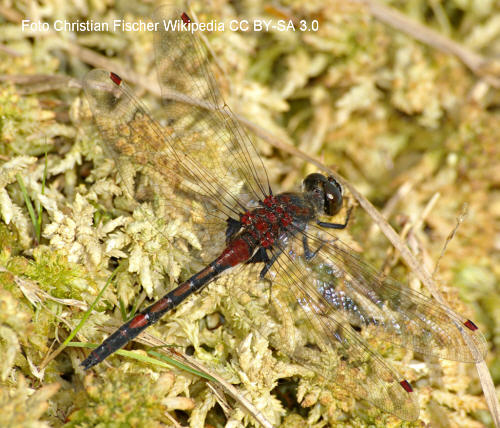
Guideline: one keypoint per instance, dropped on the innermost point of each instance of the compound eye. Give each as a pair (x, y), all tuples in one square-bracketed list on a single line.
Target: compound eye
[(333, 197)]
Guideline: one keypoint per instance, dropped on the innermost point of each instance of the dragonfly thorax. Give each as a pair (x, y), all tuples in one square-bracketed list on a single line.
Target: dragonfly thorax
[(267, 223)]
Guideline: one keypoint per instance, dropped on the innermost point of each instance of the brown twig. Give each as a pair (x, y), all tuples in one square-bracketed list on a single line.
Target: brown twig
[(410, 227), (37, 83), (460, 220), (479, 65)]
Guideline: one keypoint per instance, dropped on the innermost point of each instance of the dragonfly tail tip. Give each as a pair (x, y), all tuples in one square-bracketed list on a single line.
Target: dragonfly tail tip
[(89, 362)]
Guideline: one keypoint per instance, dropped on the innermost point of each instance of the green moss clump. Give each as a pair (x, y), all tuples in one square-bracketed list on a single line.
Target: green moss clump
[(123, 399)]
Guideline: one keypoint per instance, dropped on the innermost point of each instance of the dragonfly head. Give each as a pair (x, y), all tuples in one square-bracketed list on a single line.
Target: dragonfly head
[(325, 193)]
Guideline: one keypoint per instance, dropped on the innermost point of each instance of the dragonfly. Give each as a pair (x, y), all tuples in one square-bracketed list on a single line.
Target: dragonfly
[(324, 298)]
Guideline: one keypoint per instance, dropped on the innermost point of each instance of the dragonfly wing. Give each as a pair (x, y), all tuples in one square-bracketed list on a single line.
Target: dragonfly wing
[(190, 91), (320, 338), (202, 150), (130, 132), (392, 311)]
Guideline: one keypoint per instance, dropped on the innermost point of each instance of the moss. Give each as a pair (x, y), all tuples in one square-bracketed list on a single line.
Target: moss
[(20, 124), (53, 272), (21, 408), (121, 399)]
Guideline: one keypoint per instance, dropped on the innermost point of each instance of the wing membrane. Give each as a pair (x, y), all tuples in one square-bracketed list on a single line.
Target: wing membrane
[(189, 88), (322, 340), (130, 132), (324, 303), (393, 311), (202, 151)]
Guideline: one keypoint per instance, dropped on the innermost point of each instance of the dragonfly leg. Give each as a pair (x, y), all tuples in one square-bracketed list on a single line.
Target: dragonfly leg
[(336, 225), (309, 255), (269, 261), (261, 256), (233, 226)]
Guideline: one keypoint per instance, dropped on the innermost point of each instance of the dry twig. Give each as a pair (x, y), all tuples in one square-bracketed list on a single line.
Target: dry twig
[(479, 65)]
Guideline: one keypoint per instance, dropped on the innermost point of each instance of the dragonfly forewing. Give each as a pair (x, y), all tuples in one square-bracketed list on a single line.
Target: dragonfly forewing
[(185, 74), (389, 309)]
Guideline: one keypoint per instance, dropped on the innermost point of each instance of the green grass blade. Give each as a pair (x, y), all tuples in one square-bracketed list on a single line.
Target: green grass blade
[(38, 228), (80, 324), (181, 366), (29, 205), (91, 308), (166, 362)]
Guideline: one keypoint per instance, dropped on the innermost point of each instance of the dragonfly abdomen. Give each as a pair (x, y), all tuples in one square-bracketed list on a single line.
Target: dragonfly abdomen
[(237, 251)]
